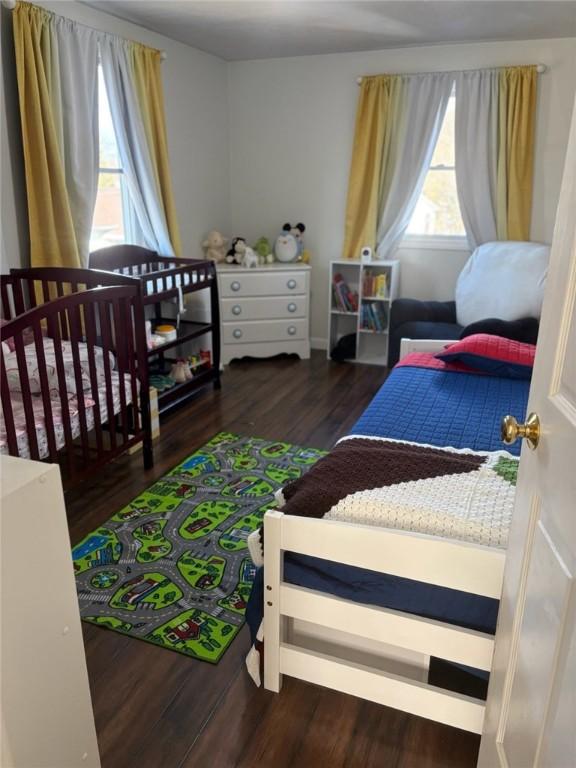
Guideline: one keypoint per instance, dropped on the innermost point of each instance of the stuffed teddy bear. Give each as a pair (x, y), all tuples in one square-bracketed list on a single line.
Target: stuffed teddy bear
[(236, 251), (297, 231), (214, 246), (264, 251)]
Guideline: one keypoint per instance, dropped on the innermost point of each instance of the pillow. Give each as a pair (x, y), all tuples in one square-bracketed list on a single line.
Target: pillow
[(504, 280), (492, 354), (525, 330)]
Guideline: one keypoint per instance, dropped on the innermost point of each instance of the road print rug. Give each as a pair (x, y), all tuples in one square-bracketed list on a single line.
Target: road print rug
[(172, 567)]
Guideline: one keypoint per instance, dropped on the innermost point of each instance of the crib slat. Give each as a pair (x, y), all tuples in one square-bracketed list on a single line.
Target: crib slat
[(75, 339), (31, 293), (6, 304), (18, 296), (7, 410), (104, 315), (45, 291), (45, 391), (120, 333), (129, 325), (63, 395), (90, 345), (26, 397)]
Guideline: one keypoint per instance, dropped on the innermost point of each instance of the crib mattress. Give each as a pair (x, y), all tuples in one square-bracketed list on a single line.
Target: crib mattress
[(59, 434)]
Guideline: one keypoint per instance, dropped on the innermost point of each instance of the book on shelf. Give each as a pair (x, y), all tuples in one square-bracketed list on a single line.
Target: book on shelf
[(374, 317), (375, 285), (345, 299)]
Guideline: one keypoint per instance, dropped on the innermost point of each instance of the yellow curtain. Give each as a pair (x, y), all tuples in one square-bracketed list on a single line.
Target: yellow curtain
[(148, 79), (516, 118), (52, 236), (367, 170)]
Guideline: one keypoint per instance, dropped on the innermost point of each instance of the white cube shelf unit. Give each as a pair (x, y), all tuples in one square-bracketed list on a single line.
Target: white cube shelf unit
[(373, 308)]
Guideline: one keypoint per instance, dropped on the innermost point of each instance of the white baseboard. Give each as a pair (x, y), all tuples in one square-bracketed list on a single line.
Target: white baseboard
[(317, 343)]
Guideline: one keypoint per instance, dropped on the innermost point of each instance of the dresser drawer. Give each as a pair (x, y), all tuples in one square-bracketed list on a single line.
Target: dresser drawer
[(275, 308), (274, 330), (263, 283)]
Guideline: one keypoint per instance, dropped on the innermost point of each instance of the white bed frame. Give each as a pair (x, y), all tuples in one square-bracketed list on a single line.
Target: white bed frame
[(375, 653)]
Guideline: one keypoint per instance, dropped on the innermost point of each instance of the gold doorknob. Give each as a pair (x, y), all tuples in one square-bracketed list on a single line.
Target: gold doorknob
[(510, 430)]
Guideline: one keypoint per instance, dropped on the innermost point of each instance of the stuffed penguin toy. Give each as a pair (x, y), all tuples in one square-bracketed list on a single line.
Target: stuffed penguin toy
[(289, 244)]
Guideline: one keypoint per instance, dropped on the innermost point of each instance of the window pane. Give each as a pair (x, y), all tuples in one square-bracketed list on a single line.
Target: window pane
[(438, 211), (109, 156), (108, 222), (444, 152)]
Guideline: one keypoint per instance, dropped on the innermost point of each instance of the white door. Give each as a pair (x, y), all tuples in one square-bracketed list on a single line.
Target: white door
[(531, 708)]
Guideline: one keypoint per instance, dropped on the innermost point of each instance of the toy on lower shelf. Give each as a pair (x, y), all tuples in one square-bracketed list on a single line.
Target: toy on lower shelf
[(204, 358), (161, 382), (180, 371)]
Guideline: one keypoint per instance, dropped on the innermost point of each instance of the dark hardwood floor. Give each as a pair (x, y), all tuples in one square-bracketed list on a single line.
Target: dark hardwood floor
[(158, 709)]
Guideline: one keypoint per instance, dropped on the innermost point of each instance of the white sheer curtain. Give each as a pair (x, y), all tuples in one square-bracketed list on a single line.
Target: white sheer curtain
[(133, 146), (477, 152), (74, 99), (415, 129)]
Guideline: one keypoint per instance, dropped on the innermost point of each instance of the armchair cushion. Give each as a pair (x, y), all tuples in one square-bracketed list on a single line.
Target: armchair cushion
[(412, 310), (504, 280), (525, 330)]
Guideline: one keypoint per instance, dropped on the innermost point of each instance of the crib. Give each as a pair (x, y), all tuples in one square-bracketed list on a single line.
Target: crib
[(74, 378)]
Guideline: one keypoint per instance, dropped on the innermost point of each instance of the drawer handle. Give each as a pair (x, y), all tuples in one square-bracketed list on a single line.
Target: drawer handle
[(237, 333), (235, 285), (236, 309), (291, 283), (291, 330), (292, 307)]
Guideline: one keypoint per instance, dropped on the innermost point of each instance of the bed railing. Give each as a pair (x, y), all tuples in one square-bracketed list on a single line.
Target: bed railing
[(94, 408), (456, 565)]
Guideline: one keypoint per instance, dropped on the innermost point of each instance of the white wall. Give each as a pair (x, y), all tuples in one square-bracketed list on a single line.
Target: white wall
[(291, 131), (195, 85)]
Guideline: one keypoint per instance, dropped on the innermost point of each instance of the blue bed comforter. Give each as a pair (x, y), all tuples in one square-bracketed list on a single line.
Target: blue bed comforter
[(444, 408)]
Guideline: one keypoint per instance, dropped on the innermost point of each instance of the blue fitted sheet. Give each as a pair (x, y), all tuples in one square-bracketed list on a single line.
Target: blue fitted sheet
[(444, 408)]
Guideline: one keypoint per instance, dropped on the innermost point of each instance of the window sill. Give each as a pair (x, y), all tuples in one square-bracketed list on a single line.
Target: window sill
[(435, 243)]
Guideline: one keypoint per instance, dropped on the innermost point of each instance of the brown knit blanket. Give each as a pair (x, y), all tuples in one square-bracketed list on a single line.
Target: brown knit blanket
[(453, 493), (360, 464)]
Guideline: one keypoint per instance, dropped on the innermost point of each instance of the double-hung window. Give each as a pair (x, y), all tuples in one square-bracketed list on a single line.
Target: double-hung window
[(113, 222), (437, 219)]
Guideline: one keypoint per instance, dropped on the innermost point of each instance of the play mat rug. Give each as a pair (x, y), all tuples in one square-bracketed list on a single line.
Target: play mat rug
[(172, 567)]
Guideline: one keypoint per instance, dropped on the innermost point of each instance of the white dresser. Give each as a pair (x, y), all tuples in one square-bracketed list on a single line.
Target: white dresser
[(264, 311)]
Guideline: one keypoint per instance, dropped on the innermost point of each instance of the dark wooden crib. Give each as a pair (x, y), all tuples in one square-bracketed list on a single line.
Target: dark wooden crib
[(74, 374)]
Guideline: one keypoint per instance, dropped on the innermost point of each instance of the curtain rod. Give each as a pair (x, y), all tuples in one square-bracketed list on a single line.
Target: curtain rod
[(11, 4), (540, 68)]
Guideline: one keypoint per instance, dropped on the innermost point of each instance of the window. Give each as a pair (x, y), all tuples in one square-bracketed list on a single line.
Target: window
[(113, 221), (438, 212)]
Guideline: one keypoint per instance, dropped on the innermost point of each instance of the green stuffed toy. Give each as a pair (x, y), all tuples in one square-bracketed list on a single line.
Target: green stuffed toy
[(263, 250)]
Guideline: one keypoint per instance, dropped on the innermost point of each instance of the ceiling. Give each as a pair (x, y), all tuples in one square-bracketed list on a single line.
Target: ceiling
[(248, 29)]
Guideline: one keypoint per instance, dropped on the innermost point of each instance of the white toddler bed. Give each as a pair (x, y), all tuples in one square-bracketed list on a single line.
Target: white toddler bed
[(306, 637)]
